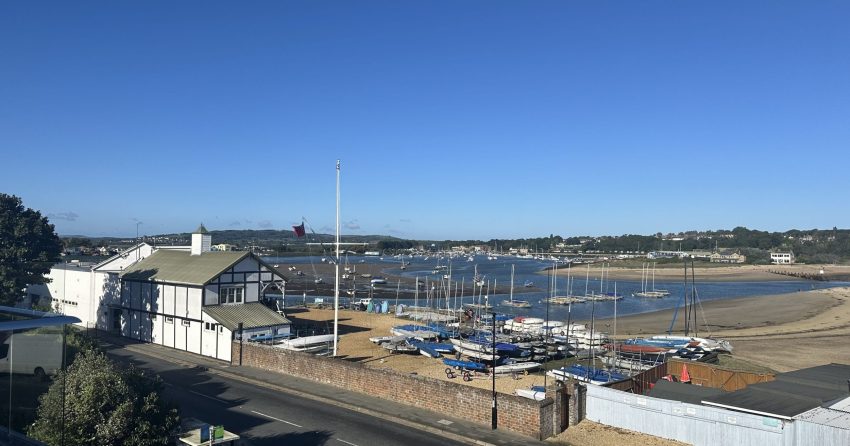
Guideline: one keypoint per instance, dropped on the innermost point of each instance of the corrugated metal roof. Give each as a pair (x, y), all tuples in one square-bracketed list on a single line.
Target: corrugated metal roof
[(791, 393), (686, 393), (842, 404), (182, 267), (252, 315), (826, 416)]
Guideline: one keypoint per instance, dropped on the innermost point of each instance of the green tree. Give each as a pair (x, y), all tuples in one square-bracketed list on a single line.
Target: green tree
[(29, 246), (104, 405)]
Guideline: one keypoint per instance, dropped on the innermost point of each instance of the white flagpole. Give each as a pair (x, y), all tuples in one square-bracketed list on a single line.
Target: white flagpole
[(336, 267)]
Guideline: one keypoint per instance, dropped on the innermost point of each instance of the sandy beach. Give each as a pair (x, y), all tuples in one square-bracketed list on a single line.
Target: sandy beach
[(715, 273)]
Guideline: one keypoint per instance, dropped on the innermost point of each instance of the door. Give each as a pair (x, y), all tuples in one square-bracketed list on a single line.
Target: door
[(117, 314)]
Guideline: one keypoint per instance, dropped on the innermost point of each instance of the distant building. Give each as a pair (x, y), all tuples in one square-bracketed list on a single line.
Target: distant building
[(782, 258), (223, 247), (665, 254), (727, 256), (705, 255)]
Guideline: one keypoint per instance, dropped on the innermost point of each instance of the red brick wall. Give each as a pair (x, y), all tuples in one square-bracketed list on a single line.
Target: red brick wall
[(521, 415)]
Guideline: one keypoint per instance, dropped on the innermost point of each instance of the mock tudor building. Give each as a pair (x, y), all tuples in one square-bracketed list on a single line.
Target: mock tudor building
[(195, 300)]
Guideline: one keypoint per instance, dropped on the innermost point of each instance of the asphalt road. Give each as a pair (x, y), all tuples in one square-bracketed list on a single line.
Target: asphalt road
[(264, 417)]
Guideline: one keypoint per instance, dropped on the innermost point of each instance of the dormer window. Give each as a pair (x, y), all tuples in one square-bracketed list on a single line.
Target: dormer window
[(232, 295)]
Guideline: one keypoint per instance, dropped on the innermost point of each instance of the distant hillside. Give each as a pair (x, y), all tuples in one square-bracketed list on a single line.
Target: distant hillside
[(813, 245)]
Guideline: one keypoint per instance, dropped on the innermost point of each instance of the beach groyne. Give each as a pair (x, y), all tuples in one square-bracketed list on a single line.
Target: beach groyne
[(535, 419), (800, 274)]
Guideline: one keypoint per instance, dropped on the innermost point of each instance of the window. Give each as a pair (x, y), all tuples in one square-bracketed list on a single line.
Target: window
[(209, 326), (169, 320), (186, 323), (231, 295)]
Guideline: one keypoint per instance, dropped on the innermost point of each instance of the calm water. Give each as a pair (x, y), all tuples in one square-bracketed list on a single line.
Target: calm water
[(532, 270)]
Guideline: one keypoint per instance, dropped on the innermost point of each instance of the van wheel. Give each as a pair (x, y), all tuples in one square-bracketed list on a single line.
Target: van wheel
[(39, 374)]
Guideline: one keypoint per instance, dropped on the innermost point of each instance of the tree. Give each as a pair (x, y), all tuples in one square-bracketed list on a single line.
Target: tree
[(29, 246), (104, 405)]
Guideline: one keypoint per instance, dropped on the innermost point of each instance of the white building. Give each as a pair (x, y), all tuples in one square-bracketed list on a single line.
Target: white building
[(79, 289), (195, 300), (187, 298), (782, 258)]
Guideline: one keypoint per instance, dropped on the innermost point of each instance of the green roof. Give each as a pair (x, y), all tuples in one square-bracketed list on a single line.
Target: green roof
[(182, 267), (252, 315), (201, 230)]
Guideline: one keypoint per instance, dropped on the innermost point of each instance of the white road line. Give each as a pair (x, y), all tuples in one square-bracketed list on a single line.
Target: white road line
[(276, 419), (209, 397), (340, 439)]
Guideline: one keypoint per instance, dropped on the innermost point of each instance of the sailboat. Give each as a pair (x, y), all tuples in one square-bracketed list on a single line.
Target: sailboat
[(645, 292), (689, 346), (516, 303)]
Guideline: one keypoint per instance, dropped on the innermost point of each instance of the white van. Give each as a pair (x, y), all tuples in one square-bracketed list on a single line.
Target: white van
[(31, 354)]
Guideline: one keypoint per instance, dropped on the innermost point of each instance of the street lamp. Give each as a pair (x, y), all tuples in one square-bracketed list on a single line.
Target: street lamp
[(495, 412)]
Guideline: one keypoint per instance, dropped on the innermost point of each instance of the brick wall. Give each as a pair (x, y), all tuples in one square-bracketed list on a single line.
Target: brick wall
[(535, 419)]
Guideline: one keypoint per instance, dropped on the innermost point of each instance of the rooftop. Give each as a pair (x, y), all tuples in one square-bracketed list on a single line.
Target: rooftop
[(790, 394), (251, 315), (182, 267)]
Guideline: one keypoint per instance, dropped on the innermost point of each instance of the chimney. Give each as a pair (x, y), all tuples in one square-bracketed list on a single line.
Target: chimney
[(201, 241)]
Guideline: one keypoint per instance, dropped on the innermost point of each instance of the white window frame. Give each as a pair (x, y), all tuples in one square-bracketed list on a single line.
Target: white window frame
[(232, 295), (169, 320), (185, 322), (210, 326)]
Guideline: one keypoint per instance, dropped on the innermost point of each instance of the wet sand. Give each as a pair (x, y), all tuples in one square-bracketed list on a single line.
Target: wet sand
[(714, 273), (782, 332)]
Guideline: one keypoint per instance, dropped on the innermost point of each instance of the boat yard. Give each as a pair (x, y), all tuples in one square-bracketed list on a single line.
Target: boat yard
[(805, 332)]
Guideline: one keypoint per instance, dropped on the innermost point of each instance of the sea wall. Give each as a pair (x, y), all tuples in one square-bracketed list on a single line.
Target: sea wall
[(536, 419)]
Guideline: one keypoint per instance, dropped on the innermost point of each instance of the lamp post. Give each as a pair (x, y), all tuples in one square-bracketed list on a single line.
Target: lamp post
[(495, 412)]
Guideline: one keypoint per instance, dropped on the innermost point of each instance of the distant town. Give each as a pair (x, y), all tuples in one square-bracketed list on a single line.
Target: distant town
[(739, 245)]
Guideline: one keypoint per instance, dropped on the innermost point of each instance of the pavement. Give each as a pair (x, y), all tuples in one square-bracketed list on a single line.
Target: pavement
[(424, 420)]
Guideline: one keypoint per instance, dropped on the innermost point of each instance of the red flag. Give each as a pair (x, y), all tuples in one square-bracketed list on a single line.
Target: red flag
[(299, 230)]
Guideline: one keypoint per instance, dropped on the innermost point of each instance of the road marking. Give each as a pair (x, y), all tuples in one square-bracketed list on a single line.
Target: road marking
[(276, 419), (340, 439), (209, 397), (446, 422)]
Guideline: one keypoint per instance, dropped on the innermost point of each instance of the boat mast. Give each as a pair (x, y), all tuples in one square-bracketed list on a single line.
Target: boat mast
[(336, 267), (694, 297), (512, 283)]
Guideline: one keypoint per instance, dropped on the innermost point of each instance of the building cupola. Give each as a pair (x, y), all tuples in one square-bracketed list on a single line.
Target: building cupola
[(201, 240)]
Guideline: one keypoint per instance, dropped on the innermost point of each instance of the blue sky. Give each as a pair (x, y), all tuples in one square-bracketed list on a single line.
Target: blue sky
[(453, 120)]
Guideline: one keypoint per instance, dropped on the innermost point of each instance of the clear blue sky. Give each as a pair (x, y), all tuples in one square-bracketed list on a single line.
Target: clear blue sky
[(452, 119)]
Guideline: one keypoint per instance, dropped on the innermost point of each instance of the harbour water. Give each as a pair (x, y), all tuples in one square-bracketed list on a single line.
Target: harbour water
[(533, 271)]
